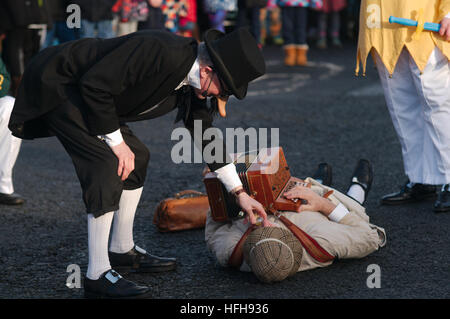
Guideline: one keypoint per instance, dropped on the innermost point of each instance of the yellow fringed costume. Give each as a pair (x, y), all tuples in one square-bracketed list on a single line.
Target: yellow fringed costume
[(376, 33)]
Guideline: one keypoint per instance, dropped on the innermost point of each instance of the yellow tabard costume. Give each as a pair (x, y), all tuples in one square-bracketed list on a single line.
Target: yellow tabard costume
[(389, 39)]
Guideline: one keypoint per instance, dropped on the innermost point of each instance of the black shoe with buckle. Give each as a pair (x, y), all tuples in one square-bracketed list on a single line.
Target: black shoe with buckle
[(114, 286), (11, 199), (324, 174), (410, 194), (362, 176), (138, 260), (442, 204)]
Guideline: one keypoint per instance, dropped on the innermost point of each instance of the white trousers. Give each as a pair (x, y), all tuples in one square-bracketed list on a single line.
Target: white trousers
[(9, 146), (419, 105)]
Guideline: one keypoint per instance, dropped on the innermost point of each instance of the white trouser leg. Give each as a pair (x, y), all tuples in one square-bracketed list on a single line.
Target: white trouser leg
[(433, 88), (122, 231), (98, 235), (406, 112), (9, 146)]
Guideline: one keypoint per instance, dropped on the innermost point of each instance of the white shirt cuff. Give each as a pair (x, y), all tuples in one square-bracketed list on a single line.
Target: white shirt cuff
[(112, 139), (338, 213), (448, 15), (228, 176)]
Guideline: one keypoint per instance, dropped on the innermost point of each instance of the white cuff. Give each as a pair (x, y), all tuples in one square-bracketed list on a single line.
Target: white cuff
[(228, 176), (112, 139), (448, 15), (338, 213)]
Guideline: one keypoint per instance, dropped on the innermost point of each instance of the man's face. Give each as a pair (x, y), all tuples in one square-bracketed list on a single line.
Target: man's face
[(209, 82), (212, 87)]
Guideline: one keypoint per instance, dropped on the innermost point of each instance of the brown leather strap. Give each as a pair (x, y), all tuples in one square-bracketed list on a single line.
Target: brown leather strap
[(310, 244), (237, 256)]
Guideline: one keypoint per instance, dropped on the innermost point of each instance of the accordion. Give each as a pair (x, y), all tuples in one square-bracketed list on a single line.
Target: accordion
[(264, 175)]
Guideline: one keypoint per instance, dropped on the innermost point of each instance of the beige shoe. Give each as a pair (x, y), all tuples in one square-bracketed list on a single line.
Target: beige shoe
[(290, 54), (301, 58)]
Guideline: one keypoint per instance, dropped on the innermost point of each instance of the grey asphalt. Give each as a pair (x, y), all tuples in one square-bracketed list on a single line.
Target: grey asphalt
[(324, 114)]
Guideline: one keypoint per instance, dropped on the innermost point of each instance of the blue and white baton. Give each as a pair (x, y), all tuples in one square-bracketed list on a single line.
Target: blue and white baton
[(430, 26)]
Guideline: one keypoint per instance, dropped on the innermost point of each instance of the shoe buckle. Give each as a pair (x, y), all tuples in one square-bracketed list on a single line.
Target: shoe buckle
[(113, 276)]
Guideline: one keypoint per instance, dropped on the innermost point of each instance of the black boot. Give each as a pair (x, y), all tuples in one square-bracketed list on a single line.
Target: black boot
[(362, 176), (324, 174), (442, 204), (410, 194), (112, 285), (138, 260)]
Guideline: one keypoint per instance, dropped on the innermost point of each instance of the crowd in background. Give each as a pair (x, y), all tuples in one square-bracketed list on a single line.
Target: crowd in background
[(27, 26)]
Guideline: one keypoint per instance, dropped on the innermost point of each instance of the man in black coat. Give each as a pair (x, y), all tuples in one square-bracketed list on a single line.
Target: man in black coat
[(84, 92)]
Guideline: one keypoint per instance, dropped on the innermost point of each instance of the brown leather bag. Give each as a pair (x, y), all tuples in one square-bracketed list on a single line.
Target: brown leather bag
[(186, 210)]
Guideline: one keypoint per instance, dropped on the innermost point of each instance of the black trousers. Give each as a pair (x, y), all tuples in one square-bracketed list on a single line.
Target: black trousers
[(95, 163)]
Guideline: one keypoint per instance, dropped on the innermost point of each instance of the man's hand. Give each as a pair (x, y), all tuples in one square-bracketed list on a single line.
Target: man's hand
[(315, 203), (126, 159), (251, 207), (445, 29)]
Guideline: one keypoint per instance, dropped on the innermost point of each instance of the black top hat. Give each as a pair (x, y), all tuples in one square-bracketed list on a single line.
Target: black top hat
[(236, 58)]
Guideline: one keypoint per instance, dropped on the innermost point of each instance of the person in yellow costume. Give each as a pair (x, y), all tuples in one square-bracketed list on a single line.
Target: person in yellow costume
[(414, 70)]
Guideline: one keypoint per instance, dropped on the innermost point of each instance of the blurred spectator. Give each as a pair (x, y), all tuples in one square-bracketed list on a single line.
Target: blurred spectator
[(24, 23), (155, 17), (330, 10), (173, 10), (96, 18), (188, 23), (271, 24), (217, 12), (294, 17), (130, 12), (59, 33), (248, 15)]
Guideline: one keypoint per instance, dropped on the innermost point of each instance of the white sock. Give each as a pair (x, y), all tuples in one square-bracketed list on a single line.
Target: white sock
[(98, 235), (122, 230), (357, 192)]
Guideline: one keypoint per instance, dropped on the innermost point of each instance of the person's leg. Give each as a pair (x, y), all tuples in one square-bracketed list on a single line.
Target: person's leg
[(255, 23), (9, 149), (287, 17), (122, 233), (335, 28), (433, 86), (406, 112), (87, 29), (301, 24), (105, 29), (322, 28)]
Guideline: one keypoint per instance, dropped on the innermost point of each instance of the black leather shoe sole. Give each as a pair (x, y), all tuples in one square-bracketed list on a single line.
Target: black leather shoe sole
[(142, 269), (415, 199), (94, 295), (441, 209)]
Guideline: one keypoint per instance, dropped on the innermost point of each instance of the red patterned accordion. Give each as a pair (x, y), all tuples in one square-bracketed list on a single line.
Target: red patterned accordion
[(265, 176)]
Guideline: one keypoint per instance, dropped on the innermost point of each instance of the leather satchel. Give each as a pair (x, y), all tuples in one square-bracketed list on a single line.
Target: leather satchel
[(186, 210)]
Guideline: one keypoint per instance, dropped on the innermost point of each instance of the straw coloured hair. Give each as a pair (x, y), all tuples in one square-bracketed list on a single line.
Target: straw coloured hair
[(273, 253)]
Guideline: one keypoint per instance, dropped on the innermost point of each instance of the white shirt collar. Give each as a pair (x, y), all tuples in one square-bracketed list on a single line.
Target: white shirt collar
[(193, 77)]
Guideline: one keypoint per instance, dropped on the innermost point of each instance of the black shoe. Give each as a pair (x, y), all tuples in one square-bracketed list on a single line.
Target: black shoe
[(324, 173), (442, 204), (138, 260), (362, 176), (112, 285), (407, 194), (11, 199)]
